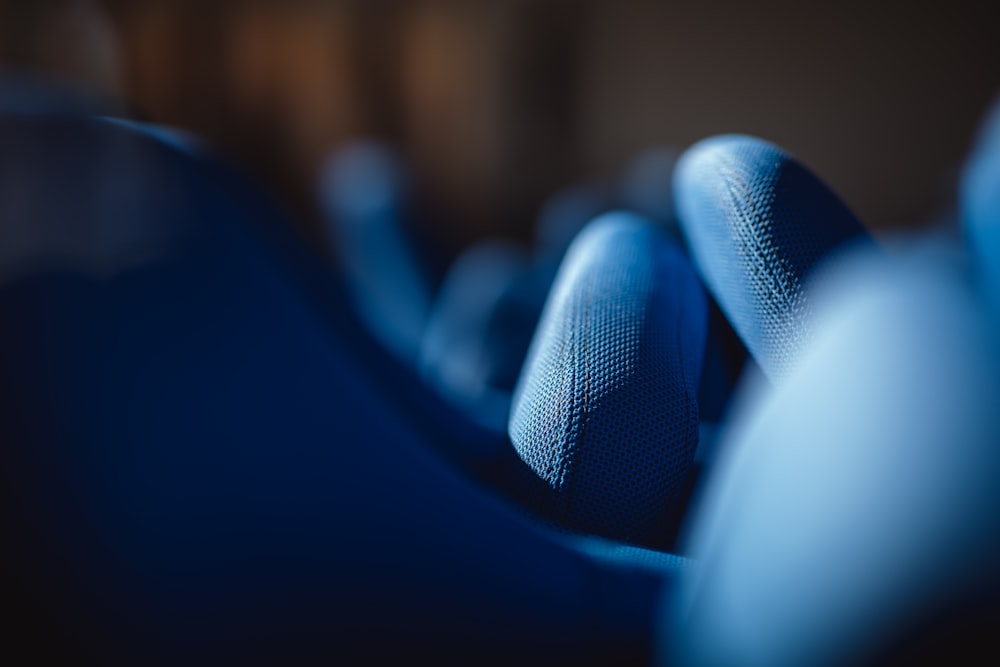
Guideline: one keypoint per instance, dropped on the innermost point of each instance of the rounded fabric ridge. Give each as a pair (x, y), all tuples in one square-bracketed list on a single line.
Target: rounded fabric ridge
[(759, 224), (605, 413)]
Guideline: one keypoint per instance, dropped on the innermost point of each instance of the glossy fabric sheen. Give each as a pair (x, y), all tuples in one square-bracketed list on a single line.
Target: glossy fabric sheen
[(758, 224), (605, 413)]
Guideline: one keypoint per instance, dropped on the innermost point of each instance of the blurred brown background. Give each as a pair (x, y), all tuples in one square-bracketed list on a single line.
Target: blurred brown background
[(497, 103)]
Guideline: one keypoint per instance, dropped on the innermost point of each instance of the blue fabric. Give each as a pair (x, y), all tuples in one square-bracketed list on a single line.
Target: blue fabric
[(483, 452), (980, 204), (646, 188), (485, 314), (759, 224), (563, 215), (605, 412), (197, 470), (646, 185), (855, 505)]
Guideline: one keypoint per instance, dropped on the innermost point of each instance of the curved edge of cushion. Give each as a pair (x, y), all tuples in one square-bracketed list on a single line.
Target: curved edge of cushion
[(759, 224), (605, 412)]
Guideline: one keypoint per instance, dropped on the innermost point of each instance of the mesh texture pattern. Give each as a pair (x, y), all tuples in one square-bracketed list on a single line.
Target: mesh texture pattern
[(605, 412), (758, 224)]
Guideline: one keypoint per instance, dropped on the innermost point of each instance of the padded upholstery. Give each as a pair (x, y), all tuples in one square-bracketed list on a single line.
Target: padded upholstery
[(196, 469), (605, 412), (856, 510), (758, 224)]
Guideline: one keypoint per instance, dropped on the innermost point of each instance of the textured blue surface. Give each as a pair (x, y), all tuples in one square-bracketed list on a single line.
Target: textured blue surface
[(759, 224), (605, 412), (197, 468), (480, 328), (858, 499), (178, 139)]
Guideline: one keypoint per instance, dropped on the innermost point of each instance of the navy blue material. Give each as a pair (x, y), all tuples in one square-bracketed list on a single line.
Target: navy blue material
[(758, 224), (26, 93), (481, 452), (646, 189), (605, 412), (196, 471)]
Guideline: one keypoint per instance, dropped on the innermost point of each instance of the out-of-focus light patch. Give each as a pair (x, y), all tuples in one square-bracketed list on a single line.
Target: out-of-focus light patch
[(72, 188), (176, 138), (647, 184), (758, 224), (564, 214), (859, 492), (454, 354), (980, 205), (361, 180)]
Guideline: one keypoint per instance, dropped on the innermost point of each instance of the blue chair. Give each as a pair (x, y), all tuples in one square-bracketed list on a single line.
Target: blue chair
[(485, 314), (853, 517), (605, 413), (759, 225), (646, 188), (199, 468), (179, 139)]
